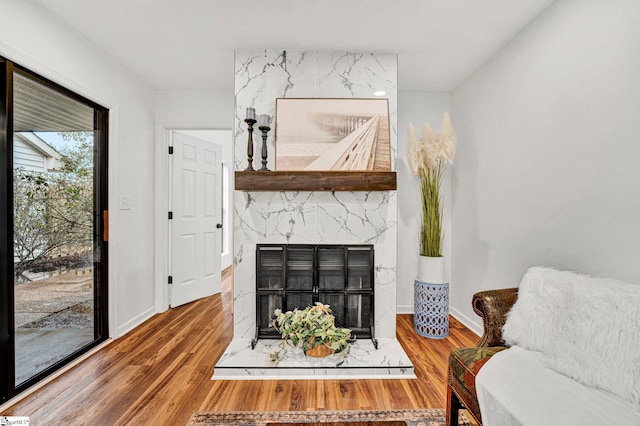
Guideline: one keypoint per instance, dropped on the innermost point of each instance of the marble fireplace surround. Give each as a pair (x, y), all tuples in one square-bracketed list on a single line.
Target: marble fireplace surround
[(303, 217)]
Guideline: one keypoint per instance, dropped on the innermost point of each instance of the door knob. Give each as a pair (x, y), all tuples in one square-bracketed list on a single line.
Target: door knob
[(219, 226)]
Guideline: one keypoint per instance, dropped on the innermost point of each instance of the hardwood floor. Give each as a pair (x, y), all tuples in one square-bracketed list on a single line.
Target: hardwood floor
[(160, 373)]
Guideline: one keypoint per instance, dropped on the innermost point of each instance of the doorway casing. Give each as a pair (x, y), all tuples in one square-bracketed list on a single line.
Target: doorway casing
[(162, 202)]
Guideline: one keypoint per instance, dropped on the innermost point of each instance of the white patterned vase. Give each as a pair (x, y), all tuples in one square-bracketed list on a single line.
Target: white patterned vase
[(431, 297), (431, 269)]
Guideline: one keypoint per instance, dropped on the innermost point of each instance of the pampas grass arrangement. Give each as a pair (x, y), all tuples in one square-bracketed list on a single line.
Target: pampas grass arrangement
[(428, 158)]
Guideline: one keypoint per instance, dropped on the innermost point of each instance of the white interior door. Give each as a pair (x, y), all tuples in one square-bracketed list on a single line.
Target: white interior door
[(195, 202)]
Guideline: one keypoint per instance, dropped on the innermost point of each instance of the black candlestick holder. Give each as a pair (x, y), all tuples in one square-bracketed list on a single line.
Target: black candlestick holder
[(264, 130), (250, 122)]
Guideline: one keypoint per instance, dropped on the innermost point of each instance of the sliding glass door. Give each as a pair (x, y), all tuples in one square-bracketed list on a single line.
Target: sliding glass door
[(53, 176)]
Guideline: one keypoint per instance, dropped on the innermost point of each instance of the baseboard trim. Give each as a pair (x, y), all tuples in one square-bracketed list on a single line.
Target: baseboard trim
[(136, 321), (42, 383), (472, 325), (405, 309)]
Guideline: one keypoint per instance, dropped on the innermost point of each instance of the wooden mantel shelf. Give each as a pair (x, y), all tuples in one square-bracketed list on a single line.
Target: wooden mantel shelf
[(315, 181)]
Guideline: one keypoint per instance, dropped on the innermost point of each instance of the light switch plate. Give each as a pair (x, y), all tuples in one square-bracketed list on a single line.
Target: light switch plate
[(125, 202)]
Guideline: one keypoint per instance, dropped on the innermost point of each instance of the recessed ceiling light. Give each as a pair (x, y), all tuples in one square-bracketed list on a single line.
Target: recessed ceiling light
[(380, 93)]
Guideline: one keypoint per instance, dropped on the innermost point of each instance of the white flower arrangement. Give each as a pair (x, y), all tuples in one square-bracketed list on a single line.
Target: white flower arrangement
[(428, 158)]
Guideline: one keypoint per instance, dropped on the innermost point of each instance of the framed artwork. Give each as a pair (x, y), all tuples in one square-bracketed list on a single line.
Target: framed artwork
[(348, 134)]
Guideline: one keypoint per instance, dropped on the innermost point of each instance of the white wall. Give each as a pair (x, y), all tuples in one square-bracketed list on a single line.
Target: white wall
[(417, 108), (187, 110), (547, 168), (34, 38), (210, 108), (198, 108)]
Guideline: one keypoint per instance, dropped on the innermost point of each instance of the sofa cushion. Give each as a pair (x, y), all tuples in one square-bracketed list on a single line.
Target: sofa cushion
[(466, 362), (586, 327), (516, 388)]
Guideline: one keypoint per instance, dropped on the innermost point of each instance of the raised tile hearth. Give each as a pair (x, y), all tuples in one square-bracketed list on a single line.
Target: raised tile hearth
[(240, 362)]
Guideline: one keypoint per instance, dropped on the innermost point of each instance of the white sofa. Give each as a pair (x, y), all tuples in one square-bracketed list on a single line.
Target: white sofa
[(574, 356)]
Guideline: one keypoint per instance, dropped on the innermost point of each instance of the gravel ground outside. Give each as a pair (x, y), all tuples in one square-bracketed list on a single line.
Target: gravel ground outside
[(53, 318), (54, 302)]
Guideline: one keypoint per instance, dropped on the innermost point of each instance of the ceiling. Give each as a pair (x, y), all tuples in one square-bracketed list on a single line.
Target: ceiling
[(189, 44)]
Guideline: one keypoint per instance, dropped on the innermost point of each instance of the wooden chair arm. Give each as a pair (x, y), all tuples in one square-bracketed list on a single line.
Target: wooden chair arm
[(492, 306)]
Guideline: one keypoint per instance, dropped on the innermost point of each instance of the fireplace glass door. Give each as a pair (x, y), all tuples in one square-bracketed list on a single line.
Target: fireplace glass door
[(291, 276)]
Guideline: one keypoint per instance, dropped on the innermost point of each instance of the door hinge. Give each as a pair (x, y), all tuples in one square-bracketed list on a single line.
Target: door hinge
[(170, 150), (170, 279), (170, 215)]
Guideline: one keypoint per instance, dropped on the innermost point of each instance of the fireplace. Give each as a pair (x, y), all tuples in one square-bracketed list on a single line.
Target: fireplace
[(290, 276), (311, 216)]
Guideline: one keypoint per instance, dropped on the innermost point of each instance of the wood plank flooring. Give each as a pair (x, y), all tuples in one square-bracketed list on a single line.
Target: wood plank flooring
[(160, 373)]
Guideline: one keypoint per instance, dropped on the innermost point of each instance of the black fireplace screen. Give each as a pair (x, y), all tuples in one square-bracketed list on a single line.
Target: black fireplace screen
[(290, 276)]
